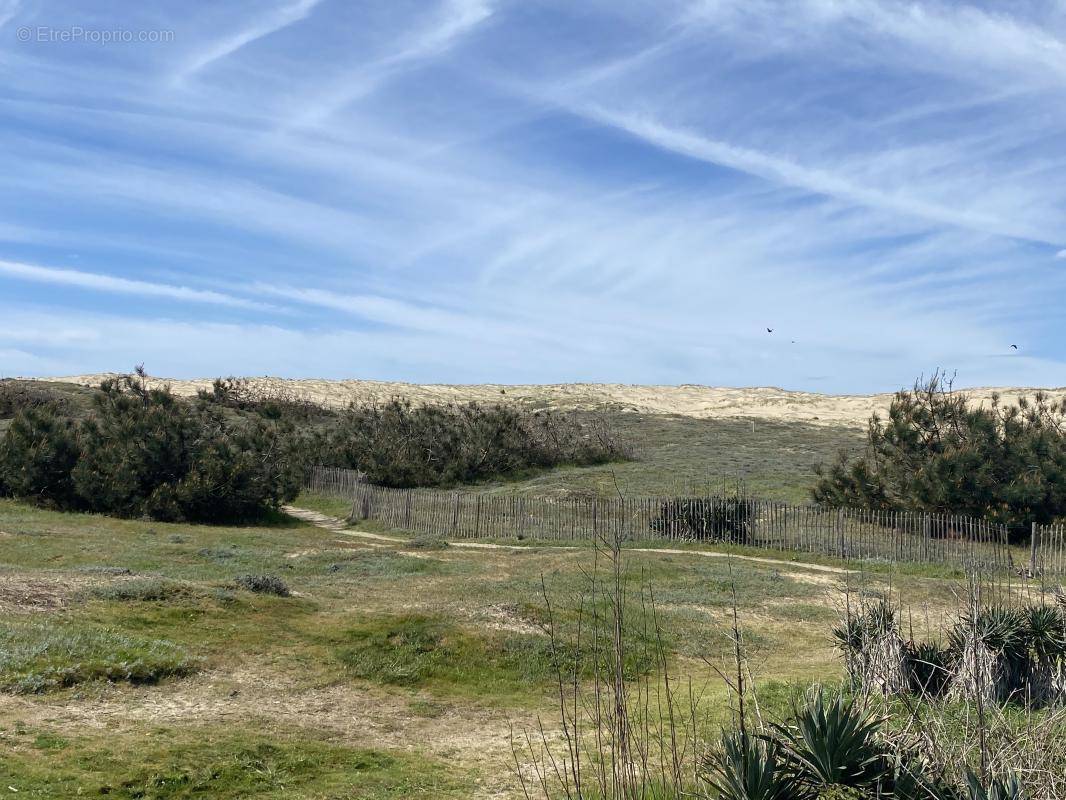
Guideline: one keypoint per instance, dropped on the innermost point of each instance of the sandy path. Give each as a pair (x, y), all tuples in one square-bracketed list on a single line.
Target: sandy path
[(339, 526), (687, 400)]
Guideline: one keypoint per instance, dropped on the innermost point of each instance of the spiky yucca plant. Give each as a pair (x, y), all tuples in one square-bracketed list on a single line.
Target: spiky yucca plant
[(928, 668), (1000, 629), (989, 648), (746, 767), (833, 744), (1045, 632), (1045, 639), (860, 628), (874, 651)]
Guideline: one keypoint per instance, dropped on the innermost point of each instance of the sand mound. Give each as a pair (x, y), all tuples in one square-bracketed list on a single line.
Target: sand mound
[(705, 402)]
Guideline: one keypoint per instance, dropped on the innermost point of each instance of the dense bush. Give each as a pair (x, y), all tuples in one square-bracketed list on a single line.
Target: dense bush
[(939, 452), (403, 445), (144, 452), (725, 518), (37, 455)]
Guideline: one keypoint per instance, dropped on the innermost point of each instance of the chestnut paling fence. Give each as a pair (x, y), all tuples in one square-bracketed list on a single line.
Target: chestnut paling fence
[(846, 533)]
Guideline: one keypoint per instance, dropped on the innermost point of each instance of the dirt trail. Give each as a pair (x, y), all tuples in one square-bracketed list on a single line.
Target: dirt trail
[(339, 526)]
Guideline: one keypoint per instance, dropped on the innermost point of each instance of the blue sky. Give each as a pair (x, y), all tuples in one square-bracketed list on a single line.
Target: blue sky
[(536, 191)]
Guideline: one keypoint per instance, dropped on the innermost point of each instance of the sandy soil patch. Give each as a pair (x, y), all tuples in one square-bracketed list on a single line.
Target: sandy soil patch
[(34, 593), (363, 716)]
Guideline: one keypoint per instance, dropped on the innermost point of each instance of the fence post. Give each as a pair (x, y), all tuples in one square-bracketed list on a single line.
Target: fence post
[(1032, 549), (753, 506)]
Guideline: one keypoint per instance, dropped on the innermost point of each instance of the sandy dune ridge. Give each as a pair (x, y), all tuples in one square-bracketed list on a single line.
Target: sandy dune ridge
[(705, 402)]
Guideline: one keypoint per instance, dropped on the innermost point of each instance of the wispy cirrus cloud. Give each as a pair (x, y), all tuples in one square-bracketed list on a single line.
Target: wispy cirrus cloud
[(444, 28), (466, 190), (116, 285), (261, 25), (813, 179)]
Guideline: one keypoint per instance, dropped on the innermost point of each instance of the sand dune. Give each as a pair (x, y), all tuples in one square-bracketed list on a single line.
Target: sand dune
[(686, 400)]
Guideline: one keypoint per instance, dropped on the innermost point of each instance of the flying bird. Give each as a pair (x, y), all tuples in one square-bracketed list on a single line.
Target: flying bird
[(769, 330), (1014, 347)]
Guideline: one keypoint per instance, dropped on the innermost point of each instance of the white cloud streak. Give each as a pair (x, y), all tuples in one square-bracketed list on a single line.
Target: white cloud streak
[(487, 195), (281, 17), (115, 285), (455, 19), (789, 173)]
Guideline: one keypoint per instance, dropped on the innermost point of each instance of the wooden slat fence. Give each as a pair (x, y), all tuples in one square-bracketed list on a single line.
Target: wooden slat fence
[(1047, 554), (844, 533)]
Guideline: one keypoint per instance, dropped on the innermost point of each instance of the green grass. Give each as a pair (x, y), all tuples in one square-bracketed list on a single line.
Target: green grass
[(679, 455), (423, 651), (40, 656), (215, 763)]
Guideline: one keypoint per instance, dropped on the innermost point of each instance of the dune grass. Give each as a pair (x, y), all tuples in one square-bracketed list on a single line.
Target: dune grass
[(40, 656), (213, 762), (680, 455)]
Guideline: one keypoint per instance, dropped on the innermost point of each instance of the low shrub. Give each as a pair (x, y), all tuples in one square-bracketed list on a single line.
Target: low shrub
[(242, 394), (16, 396), (263, 584), (38, 657), (426, 541), (145, 590)]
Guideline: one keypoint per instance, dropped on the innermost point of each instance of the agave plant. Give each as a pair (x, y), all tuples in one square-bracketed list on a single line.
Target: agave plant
[(746, 767), (919, 780), (1009, 787), (851, 635), (834, 744)]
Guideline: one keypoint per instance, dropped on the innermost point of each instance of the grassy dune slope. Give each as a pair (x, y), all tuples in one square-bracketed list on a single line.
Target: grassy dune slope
[(388, 672)]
